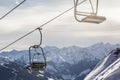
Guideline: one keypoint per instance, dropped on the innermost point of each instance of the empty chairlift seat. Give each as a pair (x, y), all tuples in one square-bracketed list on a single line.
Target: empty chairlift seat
[(87, 16)]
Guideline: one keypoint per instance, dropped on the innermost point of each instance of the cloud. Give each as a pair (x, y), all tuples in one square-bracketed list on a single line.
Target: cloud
[(61, 32)]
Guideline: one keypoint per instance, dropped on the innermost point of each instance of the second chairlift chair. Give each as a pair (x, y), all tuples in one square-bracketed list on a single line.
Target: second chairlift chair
[(89, 17)]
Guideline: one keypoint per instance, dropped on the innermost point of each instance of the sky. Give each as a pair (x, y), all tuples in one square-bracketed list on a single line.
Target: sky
[(64, 31)]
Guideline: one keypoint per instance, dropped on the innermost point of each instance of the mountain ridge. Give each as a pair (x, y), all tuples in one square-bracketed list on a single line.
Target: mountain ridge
[(72, 62)]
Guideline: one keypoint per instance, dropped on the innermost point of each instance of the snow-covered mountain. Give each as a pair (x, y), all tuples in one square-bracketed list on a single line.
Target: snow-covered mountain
[(11, 69), (67, 63), (72, 54), (108, 68)]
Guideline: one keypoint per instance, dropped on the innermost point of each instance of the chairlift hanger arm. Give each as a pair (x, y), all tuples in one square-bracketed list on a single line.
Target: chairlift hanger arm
[(93, 10), (97, 6), (12, 10), (39, 29)]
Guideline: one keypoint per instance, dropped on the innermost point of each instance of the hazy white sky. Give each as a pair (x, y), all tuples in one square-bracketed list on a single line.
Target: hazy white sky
[(64, 31)]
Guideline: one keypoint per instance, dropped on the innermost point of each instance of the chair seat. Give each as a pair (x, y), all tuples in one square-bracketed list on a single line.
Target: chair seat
[(36, 66), (94, 19)]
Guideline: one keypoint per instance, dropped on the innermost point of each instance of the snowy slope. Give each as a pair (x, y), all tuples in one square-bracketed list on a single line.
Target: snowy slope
[(107, 67), (112, 72)]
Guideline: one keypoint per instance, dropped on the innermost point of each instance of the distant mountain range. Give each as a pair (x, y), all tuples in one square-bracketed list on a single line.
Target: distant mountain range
[(67, 63)]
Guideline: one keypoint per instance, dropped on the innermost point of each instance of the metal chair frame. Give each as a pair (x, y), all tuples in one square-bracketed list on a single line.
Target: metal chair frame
[(89, 17)]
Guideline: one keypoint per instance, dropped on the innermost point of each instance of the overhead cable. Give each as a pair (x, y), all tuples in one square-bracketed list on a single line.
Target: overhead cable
[(39, 27)]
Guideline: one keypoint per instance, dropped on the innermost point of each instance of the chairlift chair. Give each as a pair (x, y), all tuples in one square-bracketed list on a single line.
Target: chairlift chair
[(89, 17), (37, 59)]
